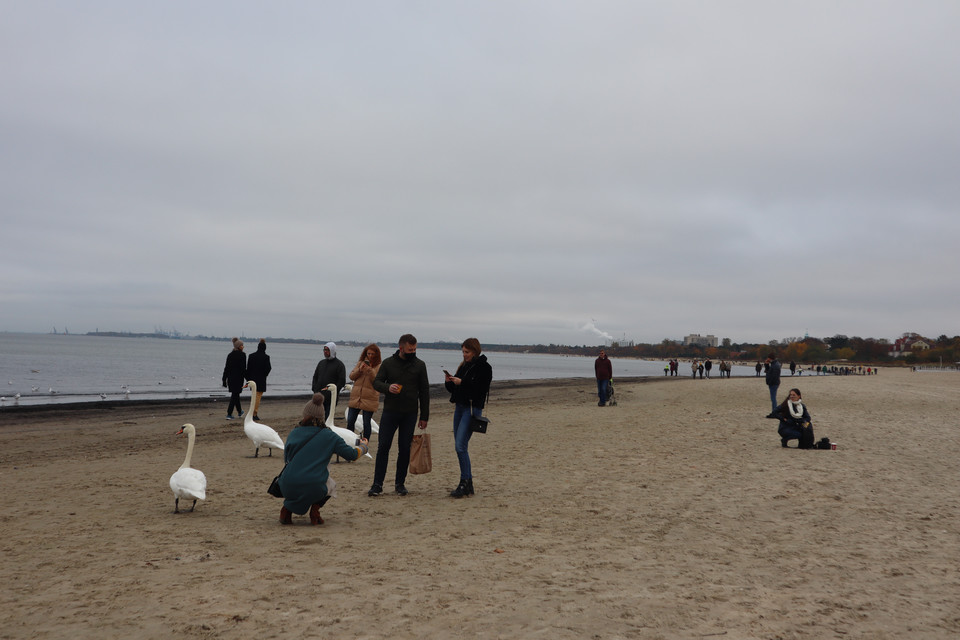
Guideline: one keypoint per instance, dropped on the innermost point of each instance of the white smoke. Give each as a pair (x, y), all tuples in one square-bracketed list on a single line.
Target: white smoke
[(592, 327)]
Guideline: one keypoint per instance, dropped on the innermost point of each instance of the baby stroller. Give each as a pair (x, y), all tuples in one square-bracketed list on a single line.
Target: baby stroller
[(611, 397)]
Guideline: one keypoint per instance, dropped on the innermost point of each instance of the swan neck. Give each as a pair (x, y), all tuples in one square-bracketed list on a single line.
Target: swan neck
[(333, 405), (191, 436)]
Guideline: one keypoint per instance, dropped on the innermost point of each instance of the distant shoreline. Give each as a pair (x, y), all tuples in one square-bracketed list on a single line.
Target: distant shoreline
[(10, 414)]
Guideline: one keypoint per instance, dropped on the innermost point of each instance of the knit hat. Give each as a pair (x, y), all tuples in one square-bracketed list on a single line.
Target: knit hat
[(314, 408)]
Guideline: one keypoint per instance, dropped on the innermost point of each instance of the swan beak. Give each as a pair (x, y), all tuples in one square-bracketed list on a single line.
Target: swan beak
[(179, 432)]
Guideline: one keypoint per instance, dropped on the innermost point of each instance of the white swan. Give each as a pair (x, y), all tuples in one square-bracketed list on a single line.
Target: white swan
[(348, 436), (187, 482), (261, 434), (374, 427)]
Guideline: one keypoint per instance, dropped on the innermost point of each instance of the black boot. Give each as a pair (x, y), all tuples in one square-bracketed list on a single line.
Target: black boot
[(461, 489), (468, 490)]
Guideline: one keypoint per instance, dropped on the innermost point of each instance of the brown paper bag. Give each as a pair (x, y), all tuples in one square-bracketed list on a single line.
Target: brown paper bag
[(420, 461)]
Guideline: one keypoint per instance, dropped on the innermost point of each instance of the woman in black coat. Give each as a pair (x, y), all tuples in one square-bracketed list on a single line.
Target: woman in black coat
[(468, 389), (234, 376), (795, 423)]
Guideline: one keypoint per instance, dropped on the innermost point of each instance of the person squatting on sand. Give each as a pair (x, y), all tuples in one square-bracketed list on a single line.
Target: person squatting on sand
[(603, 369), (403, 381), (258, 368), (469, 389), (234, 372), (795, 423), (329, 370), (363, 397), (305, 481)]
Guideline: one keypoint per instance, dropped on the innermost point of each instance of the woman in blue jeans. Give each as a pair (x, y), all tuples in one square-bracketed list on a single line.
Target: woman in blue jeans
[(468, 389)]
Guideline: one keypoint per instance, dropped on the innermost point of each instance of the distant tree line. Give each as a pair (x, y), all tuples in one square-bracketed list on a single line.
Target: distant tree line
[(804, 350)]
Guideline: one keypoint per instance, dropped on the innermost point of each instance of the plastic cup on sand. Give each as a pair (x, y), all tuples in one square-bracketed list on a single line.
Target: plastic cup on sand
[(833, 446)]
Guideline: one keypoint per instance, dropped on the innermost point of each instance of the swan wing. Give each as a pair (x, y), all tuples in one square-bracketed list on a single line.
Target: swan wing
[(347, 436), (189, 483), (263, 435), (374, 427)]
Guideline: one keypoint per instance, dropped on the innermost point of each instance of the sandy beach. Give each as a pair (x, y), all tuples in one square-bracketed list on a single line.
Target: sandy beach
[(675, 514)]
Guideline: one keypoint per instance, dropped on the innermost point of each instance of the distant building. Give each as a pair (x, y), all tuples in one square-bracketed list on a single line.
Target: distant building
[(700, 341), (906, 345)]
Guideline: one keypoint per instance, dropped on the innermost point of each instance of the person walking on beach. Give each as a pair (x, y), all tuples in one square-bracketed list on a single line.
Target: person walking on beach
[(469, 389), (603, 369), (234, 372), (758, 368), (707, 366), (258, 368), (329, 370), (363, 397), (773, 378), (403, 381)]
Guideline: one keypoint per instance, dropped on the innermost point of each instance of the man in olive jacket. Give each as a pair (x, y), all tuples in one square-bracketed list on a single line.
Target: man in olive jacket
[(403, 381)]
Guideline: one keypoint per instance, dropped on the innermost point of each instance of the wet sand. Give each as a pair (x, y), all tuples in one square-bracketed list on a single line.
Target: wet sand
[(673, 515)]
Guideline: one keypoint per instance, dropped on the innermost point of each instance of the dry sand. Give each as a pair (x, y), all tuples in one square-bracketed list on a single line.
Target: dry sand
[(675, 514)]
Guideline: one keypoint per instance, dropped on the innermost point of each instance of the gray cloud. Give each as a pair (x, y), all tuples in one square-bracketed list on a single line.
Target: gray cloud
[(517, 171)]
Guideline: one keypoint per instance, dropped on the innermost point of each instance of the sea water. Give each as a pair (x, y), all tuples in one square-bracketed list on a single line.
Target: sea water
[(61, 368)]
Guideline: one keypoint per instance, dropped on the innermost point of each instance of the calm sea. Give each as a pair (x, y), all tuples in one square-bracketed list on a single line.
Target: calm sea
[(58, 368)]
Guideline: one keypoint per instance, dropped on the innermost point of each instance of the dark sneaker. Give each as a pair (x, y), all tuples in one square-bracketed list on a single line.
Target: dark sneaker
[(375, 490), (240, 414), (230, 417), (401, 490)]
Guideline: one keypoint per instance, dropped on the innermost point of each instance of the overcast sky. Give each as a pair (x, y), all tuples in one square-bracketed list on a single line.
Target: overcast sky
[(522, 172)]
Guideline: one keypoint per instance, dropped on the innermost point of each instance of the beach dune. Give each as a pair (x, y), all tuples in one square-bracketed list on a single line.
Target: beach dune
[(673, 515)]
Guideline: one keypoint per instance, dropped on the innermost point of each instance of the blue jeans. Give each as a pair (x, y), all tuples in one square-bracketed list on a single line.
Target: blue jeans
[(603, 390), (461, 437), (352, 421), (773, 396), (392, 422)]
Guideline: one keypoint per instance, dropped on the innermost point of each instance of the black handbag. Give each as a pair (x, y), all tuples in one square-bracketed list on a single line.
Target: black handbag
[(478, 424), (274, 488)]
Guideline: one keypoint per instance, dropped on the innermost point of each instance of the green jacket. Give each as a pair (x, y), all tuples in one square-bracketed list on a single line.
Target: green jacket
[(412, 374)]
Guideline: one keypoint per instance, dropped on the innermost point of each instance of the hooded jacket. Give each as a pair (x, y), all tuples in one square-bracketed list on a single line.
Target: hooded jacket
[(329, 370)]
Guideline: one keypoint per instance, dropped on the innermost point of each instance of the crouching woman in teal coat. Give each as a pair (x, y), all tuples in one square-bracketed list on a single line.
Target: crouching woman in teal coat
[(305, 482)]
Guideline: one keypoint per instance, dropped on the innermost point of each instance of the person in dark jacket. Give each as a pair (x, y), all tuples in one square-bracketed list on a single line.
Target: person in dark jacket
[(773, 378), (258, 368), (234, 372), (795, 422), (403, 381), (603, 369), (468, 389), (329, 370), (305, 481)]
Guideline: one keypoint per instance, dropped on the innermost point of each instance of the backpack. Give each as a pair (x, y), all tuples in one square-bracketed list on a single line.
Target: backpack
[(823, 443)]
